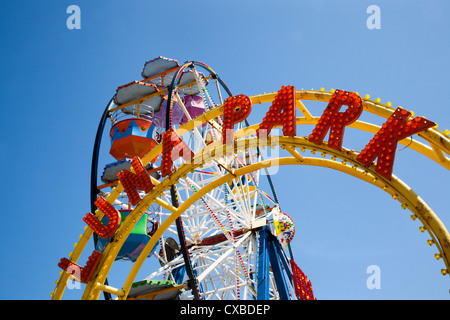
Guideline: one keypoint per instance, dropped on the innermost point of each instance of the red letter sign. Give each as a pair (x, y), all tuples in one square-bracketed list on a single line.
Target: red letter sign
[(104, 231), (86, 272), (235, 110), (132, 181), (331, 117), (173, 148), (284, 101), (384, 143)]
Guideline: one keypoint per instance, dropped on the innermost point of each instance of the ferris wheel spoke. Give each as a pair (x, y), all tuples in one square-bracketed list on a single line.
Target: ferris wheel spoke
[(222, 257), (213, 199)]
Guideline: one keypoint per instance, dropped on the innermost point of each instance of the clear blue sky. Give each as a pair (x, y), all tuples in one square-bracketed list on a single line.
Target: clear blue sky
[(56, 82)]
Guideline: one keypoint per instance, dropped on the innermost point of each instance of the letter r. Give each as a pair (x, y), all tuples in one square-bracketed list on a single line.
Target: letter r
[(336, 121)]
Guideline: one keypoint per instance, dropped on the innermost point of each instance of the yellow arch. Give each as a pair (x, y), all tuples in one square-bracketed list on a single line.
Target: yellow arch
[(437, 150), (348, 165)]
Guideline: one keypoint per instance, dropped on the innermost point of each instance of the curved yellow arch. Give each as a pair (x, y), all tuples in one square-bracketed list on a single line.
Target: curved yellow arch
[(347, 163), (437, 150)]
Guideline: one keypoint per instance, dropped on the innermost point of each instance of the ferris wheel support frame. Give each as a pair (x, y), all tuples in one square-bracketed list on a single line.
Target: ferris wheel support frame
[(271, 256)]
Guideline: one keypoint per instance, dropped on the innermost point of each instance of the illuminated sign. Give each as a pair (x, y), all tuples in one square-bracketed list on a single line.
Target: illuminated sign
[(282, 113)]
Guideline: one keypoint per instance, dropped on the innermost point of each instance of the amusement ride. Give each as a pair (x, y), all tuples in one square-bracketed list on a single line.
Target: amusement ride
[(188, 202)]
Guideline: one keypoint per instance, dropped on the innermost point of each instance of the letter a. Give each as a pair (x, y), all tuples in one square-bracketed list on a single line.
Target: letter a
[(374, 21), (374, 280), (74, 21), (131, 181), (284, 101)]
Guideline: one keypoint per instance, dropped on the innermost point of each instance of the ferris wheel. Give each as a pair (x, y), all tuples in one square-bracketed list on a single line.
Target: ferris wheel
[(227, 243), (204, 221)]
